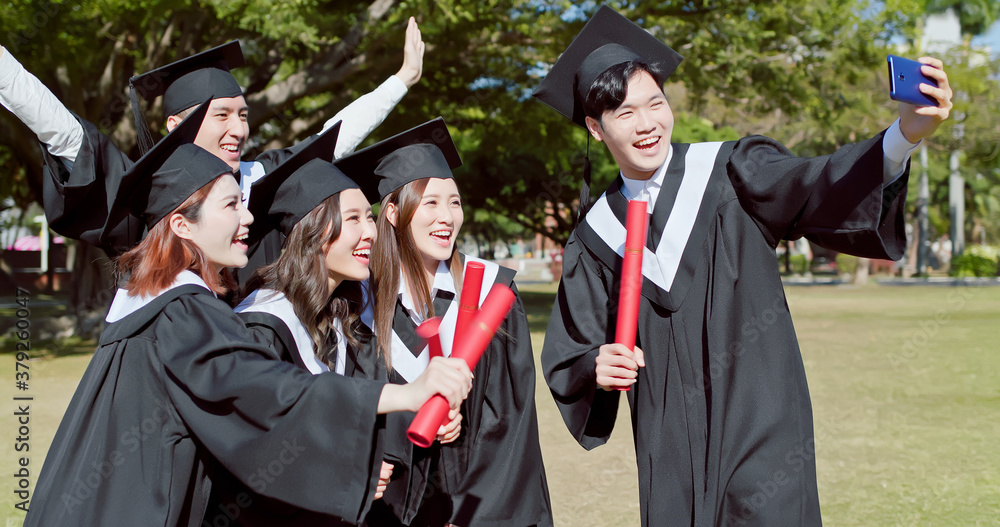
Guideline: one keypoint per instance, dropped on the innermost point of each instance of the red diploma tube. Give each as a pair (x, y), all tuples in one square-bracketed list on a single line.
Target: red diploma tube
[(423, 429), (631, 284), (472, 284), (428, 330)]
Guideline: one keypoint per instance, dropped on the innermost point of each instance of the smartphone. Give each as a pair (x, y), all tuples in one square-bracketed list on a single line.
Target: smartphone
[(905, 79)]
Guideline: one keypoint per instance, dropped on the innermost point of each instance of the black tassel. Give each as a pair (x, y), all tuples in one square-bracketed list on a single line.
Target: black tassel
[(585, 189), (142, 134)]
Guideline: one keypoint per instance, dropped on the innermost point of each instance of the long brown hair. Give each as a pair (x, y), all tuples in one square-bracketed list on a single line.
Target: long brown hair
[(301, 274), (154, 264), (395, 250)]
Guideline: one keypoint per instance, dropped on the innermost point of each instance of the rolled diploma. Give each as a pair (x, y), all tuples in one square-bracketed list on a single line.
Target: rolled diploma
[(498, 303), (428, 330), (631, 281), (468, 304)]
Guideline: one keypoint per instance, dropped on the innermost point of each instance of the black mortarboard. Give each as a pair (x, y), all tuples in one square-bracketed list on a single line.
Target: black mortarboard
[(169, 173), (607, 40), (426, 151), (296, 187), (187, 82)]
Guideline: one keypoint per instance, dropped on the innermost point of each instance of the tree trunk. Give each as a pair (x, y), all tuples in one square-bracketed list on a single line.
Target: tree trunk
[(861, 273), (923, 224), (956, 205)]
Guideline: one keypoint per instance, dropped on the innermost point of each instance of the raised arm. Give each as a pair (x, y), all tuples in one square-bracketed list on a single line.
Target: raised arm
[(362, 116), (39, 109)]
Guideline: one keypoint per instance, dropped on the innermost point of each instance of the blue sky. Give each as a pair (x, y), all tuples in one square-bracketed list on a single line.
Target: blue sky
[(990, 38)]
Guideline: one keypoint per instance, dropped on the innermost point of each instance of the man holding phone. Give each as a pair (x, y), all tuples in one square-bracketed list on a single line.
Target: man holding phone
[(720, 407)]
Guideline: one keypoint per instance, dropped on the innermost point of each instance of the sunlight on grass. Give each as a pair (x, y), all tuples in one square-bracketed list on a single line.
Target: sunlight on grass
[(905, 384)]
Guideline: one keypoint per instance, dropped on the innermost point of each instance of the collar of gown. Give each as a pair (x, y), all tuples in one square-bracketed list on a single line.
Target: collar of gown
[(443, 281), (124, 304), (647, 189)]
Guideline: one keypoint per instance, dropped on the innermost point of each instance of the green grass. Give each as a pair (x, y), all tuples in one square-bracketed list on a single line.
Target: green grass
[(905, 385)]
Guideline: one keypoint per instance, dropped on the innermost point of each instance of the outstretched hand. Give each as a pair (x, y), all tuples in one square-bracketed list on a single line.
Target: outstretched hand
[(449, 377), (413, 55), (920, 122)]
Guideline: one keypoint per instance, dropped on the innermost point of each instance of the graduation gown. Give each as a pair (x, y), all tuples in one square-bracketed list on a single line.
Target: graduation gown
[(721, 415), (178, 390), (271, 319), (492, 475), (78, 202)]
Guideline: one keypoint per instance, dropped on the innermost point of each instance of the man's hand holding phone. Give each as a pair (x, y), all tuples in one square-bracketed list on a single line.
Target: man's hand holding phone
[(924, 95)]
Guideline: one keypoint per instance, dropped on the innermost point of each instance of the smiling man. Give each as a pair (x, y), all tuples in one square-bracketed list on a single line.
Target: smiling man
[(84, 167), (720, 408)]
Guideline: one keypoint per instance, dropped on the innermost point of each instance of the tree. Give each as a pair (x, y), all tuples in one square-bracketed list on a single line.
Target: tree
[(974, 18), (746, 61), (802, 72), (307, 60)]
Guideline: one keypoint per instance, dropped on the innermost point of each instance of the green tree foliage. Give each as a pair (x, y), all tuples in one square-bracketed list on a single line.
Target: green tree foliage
[(810, 74), (974, 129), (974, 16)]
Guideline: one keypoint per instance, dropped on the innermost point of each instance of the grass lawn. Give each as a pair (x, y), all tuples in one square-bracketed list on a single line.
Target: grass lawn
[(905, 385)]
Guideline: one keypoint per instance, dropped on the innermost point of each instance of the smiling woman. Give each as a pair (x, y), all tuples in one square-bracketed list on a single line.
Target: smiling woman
[(306, 307), (492, 473), (313, 289), (425, 215), (176, 252), (180, 392)]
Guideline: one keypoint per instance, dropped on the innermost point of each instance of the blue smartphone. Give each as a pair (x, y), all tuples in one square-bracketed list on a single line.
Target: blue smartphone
[(905, 79)]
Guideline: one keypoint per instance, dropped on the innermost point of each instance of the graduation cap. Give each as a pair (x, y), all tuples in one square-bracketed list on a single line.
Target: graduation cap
[(426, 151), (294, 188), (169, 173), (185, 83), (607, 40)]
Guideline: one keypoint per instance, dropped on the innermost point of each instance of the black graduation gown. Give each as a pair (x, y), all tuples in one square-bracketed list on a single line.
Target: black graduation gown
[(78, 202), (721, 414), (270, 330), (492, 475), (178, 389)]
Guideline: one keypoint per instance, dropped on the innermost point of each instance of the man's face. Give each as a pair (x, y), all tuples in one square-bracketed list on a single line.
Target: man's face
[(637, 132), (224, 131)]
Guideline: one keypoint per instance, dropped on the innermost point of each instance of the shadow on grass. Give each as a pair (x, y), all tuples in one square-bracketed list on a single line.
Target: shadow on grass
[(52, 348), (46, 319), (538, 306)]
